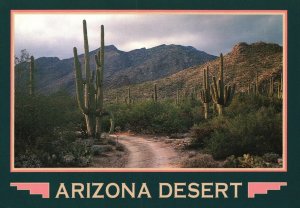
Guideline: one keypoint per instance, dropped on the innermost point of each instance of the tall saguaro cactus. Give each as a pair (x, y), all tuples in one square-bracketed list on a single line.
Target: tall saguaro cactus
[(90, 92), (205, 92), (31, 76), (221, 94), (99, 59)]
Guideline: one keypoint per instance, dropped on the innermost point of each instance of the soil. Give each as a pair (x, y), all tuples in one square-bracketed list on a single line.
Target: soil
[(146, 151)]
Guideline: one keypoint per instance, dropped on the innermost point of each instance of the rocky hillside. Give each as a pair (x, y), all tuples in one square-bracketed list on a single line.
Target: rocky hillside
[(240, 67), (121, 68)]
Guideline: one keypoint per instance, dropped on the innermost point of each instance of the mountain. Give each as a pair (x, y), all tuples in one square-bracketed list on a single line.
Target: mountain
[(121, 68), (240, 67)]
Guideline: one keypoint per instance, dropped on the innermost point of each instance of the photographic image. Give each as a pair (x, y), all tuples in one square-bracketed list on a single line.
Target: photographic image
[(149, 91)]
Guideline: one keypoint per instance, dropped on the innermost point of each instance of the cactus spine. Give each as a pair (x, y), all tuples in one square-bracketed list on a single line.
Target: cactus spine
[(221, 94), (205, 92), (31, 76), (90, 94)]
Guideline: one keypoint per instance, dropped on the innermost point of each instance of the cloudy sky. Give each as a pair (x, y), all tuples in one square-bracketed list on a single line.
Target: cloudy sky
[(56, 34)]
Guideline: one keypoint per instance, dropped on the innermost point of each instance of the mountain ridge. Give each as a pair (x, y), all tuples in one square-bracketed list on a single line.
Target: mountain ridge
[(121, 68), (240, 67)]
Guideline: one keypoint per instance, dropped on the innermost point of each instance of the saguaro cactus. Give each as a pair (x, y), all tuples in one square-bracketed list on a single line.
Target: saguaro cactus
[(155, 93), (90, 94), (31, 77), (256, 90), (280, 88), (205, 92), (177, 97), (128, 99), (99, 59), (271, 87), (249, 89), (221, 94)]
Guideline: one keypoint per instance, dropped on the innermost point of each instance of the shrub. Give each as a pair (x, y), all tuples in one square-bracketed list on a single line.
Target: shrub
[(120, 147), (231, 162), (151, 117), (200, 161), (203, 132), (257, 134), (245, 104), (250, 161), (271, 157), (45, 129), (250, 125)]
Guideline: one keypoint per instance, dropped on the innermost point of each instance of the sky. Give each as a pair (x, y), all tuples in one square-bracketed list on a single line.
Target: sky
[(55, 35)]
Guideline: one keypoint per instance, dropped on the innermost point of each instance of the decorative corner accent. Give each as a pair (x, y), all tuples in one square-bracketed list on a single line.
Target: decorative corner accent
[(34, 188), (263, 187)]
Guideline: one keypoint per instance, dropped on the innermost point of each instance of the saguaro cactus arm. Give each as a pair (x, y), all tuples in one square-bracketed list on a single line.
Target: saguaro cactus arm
[(85, 92), (90, 92), (205, 92), (79, 83), (221, 94)]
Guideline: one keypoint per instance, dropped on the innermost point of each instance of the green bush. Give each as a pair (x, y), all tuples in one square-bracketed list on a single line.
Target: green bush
[(151, 117), (202, 132), (253, 133), (245, 104), (45, 129), (251, 125)]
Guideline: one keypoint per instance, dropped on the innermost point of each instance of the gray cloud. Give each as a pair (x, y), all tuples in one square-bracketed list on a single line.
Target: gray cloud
[(57, 34)]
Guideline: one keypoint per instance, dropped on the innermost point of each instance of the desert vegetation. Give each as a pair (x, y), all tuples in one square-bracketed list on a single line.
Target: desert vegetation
[(229, 127)]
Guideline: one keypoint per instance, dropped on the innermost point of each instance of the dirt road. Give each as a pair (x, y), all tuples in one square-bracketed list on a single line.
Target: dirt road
[(148, 152)]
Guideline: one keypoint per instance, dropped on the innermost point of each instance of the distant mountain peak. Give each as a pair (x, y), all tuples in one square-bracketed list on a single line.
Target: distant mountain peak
[(121, 67), (111, 47), (244, 48)]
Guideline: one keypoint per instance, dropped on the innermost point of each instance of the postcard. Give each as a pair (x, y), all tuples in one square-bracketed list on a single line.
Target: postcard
[(149, 105)]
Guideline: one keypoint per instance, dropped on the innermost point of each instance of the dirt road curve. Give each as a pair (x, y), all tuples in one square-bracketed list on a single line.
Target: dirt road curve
[(148, 152)]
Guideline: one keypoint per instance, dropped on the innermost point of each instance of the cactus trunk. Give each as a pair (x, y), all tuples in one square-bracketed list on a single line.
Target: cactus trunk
[(256, 84), (155, 93), (128, 99), (177, 97), (221, 94), (206, 107), (280, 88), (220, 109), (90, 94), (205, 92), (271, 87), (31, 77), (99, 84)]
